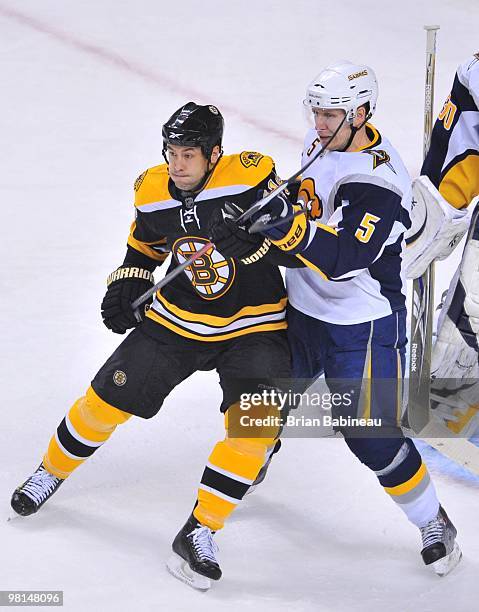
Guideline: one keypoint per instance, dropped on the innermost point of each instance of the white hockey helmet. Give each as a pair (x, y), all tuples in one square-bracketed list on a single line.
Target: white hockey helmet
[(343, 85)]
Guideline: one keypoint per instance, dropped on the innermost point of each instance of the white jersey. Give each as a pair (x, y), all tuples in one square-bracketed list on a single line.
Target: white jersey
[(452, 163), (356, 235)]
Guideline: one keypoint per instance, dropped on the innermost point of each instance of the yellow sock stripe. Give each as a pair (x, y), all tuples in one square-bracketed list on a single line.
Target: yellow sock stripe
[(86, 425), (238, 456), (57, 463), (212, 510), (104, 413), (407, 486)]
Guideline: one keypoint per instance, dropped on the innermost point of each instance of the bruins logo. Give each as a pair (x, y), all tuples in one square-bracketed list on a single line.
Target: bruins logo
[(139, 180), (119, 378), (211, 274), (250, 158)]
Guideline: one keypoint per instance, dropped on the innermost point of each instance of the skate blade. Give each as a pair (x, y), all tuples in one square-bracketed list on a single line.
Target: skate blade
[(180, 569), (13, 516), (443, 566)]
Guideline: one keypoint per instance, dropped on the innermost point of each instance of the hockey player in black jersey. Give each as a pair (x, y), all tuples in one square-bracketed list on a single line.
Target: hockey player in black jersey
[(221, 313)]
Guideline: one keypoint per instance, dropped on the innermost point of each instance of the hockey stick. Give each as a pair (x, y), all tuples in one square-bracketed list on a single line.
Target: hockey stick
[(261, 203), (417, 416), (259, 226), (166, 279), (244, 217), (418, 422)]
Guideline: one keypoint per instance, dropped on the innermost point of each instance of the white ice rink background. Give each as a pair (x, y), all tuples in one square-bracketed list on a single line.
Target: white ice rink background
[(86, 87)]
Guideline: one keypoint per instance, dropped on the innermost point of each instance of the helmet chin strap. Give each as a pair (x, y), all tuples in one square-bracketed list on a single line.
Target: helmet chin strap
[(206, 177), (354, 131)]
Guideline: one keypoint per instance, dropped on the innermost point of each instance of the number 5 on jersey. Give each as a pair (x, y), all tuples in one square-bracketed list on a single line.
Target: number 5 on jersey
[(366, 227)]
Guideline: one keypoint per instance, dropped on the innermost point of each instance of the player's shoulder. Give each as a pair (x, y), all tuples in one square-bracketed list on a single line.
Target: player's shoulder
[(468, 67), (468, 76), (152, 186), (378, 163), (247, 168)]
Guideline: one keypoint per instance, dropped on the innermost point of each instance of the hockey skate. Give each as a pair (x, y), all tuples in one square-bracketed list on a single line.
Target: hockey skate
[(29, 497), (440, 549), (193, 560)]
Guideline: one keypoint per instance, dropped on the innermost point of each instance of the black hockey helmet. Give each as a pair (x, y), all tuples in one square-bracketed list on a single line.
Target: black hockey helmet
[(193, 125)]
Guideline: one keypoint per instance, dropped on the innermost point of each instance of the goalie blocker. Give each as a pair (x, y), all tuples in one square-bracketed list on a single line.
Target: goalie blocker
[(437, 228)]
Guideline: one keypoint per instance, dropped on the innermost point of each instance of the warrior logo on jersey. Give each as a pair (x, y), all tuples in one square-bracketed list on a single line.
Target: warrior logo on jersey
[(380, 157), (308, 197), (250, 158), (140, 180), (211, 274)]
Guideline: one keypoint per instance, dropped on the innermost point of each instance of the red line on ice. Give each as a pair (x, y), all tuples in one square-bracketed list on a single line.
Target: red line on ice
[(137, 69)]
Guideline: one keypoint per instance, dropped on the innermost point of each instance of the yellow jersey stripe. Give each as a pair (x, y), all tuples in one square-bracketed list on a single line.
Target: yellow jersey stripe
[(217, 321), (262, 327), (312, 266)]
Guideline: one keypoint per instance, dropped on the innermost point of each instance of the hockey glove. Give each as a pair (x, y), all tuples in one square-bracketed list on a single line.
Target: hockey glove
[(125, 285), (290, 235), (234, 241)]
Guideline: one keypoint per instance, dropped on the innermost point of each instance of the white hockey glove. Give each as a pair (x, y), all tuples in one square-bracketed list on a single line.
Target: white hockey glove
[(437, 228)]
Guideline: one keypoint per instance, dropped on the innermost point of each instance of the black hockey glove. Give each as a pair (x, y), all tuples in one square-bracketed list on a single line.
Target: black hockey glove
[(234, 241), (276, 209), (125, 284)]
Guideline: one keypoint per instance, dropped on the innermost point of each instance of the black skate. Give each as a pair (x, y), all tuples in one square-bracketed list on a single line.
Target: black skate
[(440, 549), (193, 560), (29, 497)]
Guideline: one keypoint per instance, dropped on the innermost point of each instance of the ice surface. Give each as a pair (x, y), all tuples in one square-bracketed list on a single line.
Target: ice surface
[(86, 87)]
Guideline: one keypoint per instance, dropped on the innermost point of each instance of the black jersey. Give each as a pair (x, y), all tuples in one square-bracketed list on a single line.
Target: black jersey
[(216, 298)]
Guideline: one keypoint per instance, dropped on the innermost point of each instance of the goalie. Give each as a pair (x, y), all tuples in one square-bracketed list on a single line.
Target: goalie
[(444, 207)]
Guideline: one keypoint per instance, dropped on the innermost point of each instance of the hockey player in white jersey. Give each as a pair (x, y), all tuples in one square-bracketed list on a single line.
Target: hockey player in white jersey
[(444, 204), (347, 312)]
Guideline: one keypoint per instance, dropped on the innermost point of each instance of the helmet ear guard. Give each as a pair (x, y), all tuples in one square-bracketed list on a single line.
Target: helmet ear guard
[(344, 86), (193, 125)]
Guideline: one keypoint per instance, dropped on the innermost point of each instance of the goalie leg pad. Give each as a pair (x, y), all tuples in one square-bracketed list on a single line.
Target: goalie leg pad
[(455, 353), (455, 356)]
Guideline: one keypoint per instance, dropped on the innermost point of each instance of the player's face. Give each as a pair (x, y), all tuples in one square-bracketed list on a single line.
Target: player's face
[(326, 122), (187, 166)]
